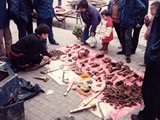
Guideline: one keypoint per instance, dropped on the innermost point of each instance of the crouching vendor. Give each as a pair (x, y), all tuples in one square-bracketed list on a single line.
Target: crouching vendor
[(29, 50)]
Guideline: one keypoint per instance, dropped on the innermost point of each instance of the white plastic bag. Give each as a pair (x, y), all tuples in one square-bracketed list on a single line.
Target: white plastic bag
[(92, 41)]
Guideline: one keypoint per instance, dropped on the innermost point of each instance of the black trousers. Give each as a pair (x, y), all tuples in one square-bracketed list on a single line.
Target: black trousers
[(30, 25), (117, 28), (151, 93), (22, 27), (135, 38)]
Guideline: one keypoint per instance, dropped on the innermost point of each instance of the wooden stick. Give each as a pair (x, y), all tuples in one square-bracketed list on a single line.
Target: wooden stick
[(83, 108), (88, 100), (68, 89)]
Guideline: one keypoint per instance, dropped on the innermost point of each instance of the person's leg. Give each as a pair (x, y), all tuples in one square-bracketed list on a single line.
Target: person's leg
[(51, 35), (22, 28), (135, 39), (128, 39), (7, 39), (122, 35), (86, 34), (2, 50), (30, 25), (151, 93), (118, 31), (59, 2)]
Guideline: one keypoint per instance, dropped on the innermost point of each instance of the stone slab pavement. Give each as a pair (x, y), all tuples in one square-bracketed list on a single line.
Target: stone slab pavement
[(48, 107)]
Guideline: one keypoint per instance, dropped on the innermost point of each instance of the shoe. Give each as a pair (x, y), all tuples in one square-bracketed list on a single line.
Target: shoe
[(128, 60), (83, 43), (55, 43), (120, 53), (101, 49), (136, 117), (142, 64), (133, 53)]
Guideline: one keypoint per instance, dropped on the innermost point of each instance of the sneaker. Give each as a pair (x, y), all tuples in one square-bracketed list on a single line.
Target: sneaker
[(128, 60), (83, 43), (120, 53), (55, 43), (142, 64)]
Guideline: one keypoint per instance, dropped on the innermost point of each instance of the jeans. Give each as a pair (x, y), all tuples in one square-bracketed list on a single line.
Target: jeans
[(49, 22), (6, 34), (86, 33), (126, 36)]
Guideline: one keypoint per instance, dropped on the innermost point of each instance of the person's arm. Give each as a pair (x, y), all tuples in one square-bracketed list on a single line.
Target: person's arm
[(95, 20), (142, 15), (139, 8), (45, 52), (109, 29)]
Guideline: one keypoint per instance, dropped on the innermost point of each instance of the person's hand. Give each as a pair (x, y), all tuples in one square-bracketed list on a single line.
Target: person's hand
[(54, 57), (45, 58), (138, 26), (146, 18), (92, 34)]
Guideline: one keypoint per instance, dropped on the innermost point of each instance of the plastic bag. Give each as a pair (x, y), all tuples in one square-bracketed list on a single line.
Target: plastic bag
[(92, 41)]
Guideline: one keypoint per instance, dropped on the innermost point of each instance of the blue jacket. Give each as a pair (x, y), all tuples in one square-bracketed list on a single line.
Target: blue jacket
[(152, 53), (4, 18), (110, 6), (18, 10), (44, 8), (131, 10), (141, 17), (91, 17)]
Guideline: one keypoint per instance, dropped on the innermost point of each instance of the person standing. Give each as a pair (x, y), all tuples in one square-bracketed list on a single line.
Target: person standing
[(106, 30), (5, 32), (29, 9), (45, 14), (131, 9), (151, 82), (18, 13), (90, 17), (114, 8), (138, 27)]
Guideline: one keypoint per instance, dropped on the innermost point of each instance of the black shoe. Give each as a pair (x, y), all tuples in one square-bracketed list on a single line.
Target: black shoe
[(136, 117), (83, 43), (120, 53), (133, 52), (55, 43), (128, 60)]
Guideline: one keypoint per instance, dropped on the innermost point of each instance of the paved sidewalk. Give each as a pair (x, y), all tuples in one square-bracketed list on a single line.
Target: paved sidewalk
[(47, 107)]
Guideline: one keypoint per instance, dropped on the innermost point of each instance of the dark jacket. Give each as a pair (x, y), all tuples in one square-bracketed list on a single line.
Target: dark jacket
[(131, 10), (18, 10), (44, 8), (152, 53), (142, 15), (110, 6), (91, 17), (29, 7), (4, 18), (31, 46)]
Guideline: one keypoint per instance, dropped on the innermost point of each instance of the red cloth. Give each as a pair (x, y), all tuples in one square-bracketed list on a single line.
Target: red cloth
[(109, 24)]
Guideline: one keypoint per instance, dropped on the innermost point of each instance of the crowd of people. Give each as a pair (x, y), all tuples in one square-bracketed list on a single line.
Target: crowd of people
[(126, 16)]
